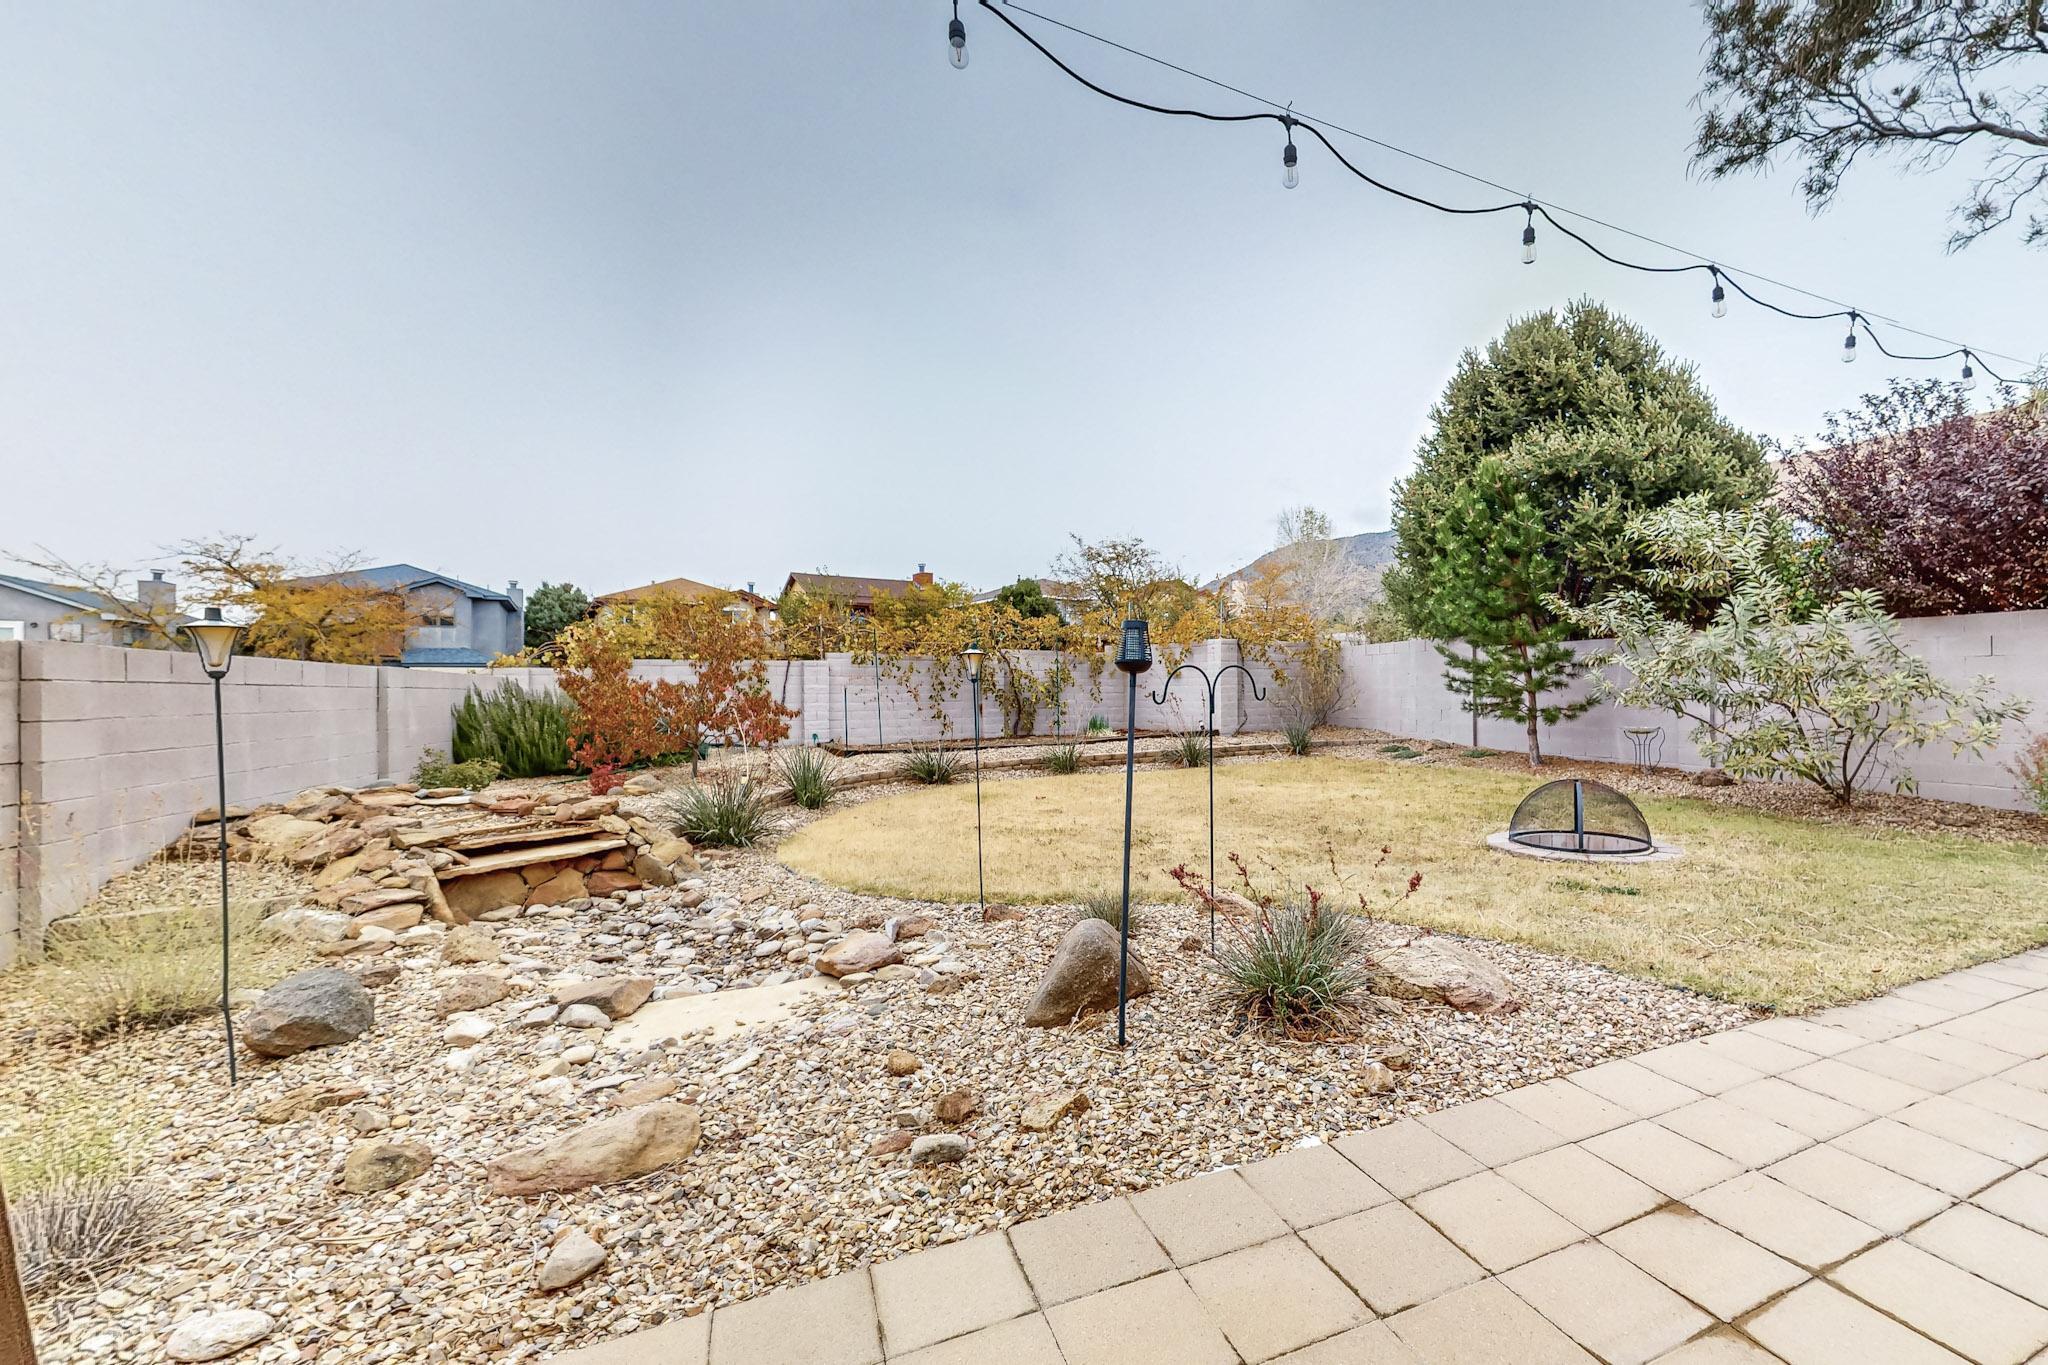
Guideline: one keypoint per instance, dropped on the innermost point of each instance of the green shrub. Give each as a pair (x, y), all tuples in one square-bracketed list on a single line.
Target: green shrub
[(1399, 751), (725, 811), (812, 775), (1300, 736), (152, 968), (1191, 748), (71, 1167), (1298, 965), (1108, 906), (525, 733), (1097, 725), (931, 766), (434, 770), (1063, 758), (1482, 753)]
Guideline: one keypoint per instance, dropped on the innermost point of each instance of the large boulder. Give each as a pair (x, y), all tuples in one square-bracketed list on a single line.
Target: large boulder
[(1432, 968), (859, 953), (1082, 977), (617, 996), (620, 1147), (315, 1008), (469, 897), (279, 834)]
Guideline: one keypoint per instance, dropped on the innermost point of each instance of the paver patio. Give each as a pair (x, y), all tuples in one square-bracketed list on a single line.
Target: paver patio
[(1862, 1186)]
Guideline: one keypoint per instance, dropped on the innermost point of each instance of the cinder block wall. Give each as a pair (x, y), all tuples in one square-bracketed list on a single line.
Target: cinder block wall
[(11, 872)]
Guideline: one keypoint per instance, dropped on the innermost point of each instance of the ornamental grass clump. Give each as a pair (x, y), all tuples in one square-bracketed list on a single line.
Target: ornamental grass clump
[(1191, 748), (1107, 906), (931, 766), (1300, 737), (725, 811), (116, 973), (77, 1200), (1300, 966), (812, 775), (1063, 758)]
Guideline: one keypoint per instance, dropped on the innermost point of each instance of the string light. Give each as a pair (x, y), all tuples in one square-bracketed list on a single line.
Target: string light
[(956, 40), (1969, 374), (1290, 177)]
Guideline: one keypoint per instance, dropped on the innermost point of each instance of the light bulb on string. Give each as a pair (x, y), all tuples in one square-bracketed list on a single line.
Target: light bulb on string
[(1529, 236), (956, 41), (1969, 372), (1849, 343), (1720, 296), (1290, 174)]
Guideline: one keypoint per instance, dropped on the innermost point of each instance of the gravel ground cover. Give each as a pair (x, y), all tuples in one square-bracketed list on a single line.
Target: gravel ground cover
[(788, 1183)]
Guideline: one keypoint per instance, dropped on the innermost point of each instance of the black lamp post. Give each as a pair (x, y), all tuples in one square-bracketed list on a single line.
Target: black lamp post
[(1133, 656), (1209, 683), (214, 641), (973, 656)]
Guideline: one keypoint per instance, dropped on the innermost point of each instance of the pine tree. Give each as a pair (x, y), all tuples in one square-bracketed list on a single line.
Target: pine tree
[(1488, 586)]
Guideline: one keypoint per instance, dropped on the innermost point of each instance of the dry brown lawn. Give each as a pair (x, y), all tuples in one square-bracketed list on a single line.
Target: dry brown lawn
[(1763, 909)]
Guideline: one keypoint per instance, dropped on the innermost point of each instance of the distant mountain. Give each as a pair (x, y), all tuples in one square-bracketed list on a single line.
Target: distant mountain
[(1371, 551)]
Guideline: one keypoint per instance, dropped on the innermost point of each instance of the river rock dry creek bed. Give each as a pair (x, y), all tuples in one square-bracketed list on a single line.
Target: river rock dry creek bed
[(805, 1166)]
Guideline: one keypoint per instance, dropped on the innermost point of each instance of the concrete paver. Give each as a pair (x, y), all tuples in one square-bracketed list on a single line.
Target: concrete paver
[(1719, 1348), (1020, 1341), (1903, 1064), (2019, 1198), (1593, 1195), (1572, 1112), (1391, 1258), (1373, 1344), (1154, 1321), (1484, 1324), (1207, 1216), (1494, 1221), (948, 1291), (1490, 1132), (1921, 1156), (1968, 1315), (1661, 1159), (1884, 1199), (1779, 1218), (1818, 1116), (1606, 1304), (1081, 1251), (1981, 1130), (1406, 1158), (1817, 1324), (1855, 1086), (1719, 1270), (1986, 1245), (824, 1322), (1694, 1064), (1635, 1088), (1274, 1298), (1311, 1185), (1739, 1134)]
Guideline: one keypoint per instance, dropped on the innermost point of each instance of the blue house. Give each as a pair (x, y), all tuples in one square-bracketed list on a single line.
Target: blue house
[(460, 624)]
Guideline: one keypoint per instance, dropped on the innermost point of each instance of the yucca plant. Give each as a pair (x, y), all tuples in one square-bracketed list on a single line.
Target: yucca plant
[(1300, 736), (1063, 758), (1191, 747), (931, 766), (525, 733), (1107, 906), (1098, 725), (812, 775), (1299, 965), (724, 811)]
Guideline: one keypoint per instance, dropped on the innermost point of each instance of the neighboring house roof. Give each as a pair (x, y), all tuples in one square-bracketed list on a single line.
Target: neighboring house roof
[(77, 598), (409, 576), (685, 587), (858, 591), (445, 658)]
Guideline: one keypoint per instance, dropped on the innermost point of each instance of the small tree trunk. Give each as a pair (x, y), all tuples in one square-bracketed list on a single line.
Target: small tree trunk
[(1535, 738), (17, 1343)]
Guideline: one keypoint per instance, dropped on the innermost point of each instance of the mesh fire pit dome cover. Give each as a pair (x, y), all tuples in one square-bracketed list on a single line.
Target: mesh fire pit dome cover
[(1578, 815)]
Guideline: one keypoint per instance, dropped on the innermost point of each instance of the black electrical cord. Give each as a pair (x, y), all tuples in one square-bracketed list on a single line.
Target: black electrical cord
[(1290, 120)]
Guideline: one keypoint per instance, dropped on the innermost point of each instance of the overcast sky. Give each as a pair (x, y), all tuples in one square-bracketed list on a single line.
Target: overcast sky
[(626, 291)]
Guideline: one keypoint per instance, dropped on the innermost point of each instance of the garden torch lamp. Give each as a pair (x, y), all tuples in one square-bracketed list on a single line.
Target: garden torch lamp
[(972, 654), (1133, 656), (214, 641)]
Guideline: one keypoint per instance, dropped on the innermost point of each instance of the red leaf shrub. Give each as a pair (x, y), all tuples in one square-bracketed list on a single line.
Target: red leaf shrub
[(1938, 509)]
